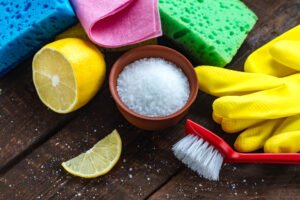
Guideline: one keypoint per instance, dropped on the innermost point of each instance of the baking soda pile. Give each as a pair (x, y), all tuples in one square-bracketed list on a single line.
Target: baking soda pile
[(153, 87)]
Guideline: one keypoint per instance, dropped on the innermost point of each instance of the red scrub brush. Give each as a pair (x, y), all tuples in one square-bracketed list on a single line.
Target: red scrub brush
[(204, 152)]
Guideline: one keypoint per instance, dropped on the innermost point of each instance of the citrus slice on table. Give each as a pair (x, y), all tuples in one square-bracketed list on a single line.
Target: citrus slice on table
[(98, 160), (67, 73)]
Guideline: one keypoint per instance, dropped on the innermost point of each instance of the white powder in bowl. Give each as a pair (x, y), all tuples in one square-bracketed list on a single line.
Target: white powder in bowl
[(153, 87)]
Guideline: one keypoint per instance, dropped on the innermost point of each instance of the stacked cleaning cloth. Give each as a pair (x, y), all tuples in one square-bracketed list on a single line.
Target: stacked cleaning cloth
[(264, 108), (115, 23), (26, 25), (210, 30)]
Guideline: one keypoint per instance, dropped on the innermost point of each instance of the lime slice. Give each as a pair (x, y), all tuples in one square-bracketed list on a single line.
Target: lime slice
[(98, 160)]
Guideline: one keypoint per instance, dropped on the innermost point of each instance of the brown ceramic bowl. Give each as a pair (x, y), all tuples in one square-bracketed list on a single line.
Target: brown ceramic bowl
[(153, 51)]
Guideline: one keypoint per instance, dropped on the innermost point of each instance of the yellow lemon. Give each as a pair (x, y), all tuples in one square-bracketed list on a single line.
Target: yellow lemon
[(68, 73), (98, 160)]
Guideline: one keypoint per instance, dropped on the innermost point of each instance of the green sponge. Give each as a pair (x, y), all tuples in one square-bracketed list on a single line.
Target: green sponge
[(211, 31)]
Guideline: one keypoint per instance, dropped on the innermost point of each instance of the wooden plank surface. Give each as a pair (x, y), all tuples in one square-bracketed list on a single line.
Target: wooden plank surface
[(37, 140), (145, 153), (24, 120), (243, 181)]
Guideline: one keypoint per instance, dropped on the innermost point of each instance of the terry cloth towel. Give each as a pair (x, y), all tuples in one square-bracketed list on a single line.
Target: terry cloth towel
[(117, 23)]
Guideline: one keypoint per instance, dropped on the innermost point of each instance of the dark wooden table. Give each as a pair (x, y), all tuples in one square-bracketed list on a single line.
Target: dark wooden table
[(34, 141)]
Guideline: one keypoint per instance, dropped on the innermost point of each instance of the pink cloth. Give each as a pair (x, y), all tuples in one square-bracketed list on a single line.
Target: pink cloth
[(117, 23)]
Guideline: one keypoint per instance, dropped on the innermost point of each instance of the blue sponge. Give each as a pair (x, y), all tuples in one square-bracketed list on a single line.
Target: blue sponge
[(26, 25)]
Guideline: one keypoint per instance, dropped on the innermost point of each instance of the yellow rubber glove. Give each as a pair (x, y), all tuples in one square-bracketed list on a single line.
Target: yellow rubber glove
[(287, 52), (261, 60), (283, 143), (238, 125), (230, 82), (279, 102), (220, 81), (276, 136), (256, 131), (234, 125), (286, 138), (255, 136)]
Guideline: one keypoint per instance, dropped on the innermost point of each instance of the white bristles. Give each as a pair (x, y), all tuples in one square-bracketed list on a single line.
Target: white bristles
[(200, 156)]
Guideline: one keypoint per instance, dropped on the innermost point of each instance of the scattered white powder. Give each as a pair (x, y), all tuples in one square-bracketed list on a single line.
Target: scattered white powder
[(153, 87)]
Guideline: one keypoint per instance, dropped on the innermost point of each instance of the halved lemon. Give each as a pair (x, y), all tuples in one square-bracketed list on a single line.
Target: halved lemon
[(98, 160), (68, 73)]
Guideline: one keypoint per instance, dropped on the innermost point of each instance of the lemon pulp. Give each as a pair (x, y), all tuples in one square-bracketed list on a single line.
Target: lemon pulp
[(54, 79)]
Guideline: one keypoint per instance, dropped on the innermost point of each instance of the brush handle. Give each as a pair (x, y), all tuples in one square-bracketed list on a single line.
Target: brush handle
[(272, 158), (208, 136), (232, 156)]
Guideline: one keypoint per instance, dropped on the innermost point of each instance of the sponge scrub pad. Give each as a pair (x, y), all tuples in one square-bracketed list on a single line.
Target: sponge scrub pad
[(26, 25), (211, 31)]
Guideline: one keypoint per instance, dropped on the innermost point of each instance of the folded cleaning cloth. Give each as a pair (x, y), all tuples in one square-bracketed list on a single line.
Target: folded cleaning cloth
[(117, 23)]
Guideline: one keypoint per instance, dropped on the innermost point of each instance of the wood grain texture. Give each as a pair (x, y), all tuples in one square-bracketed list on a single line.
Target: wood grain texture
[(24, 120), (147, 168), (243, 181), (146, 161)]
